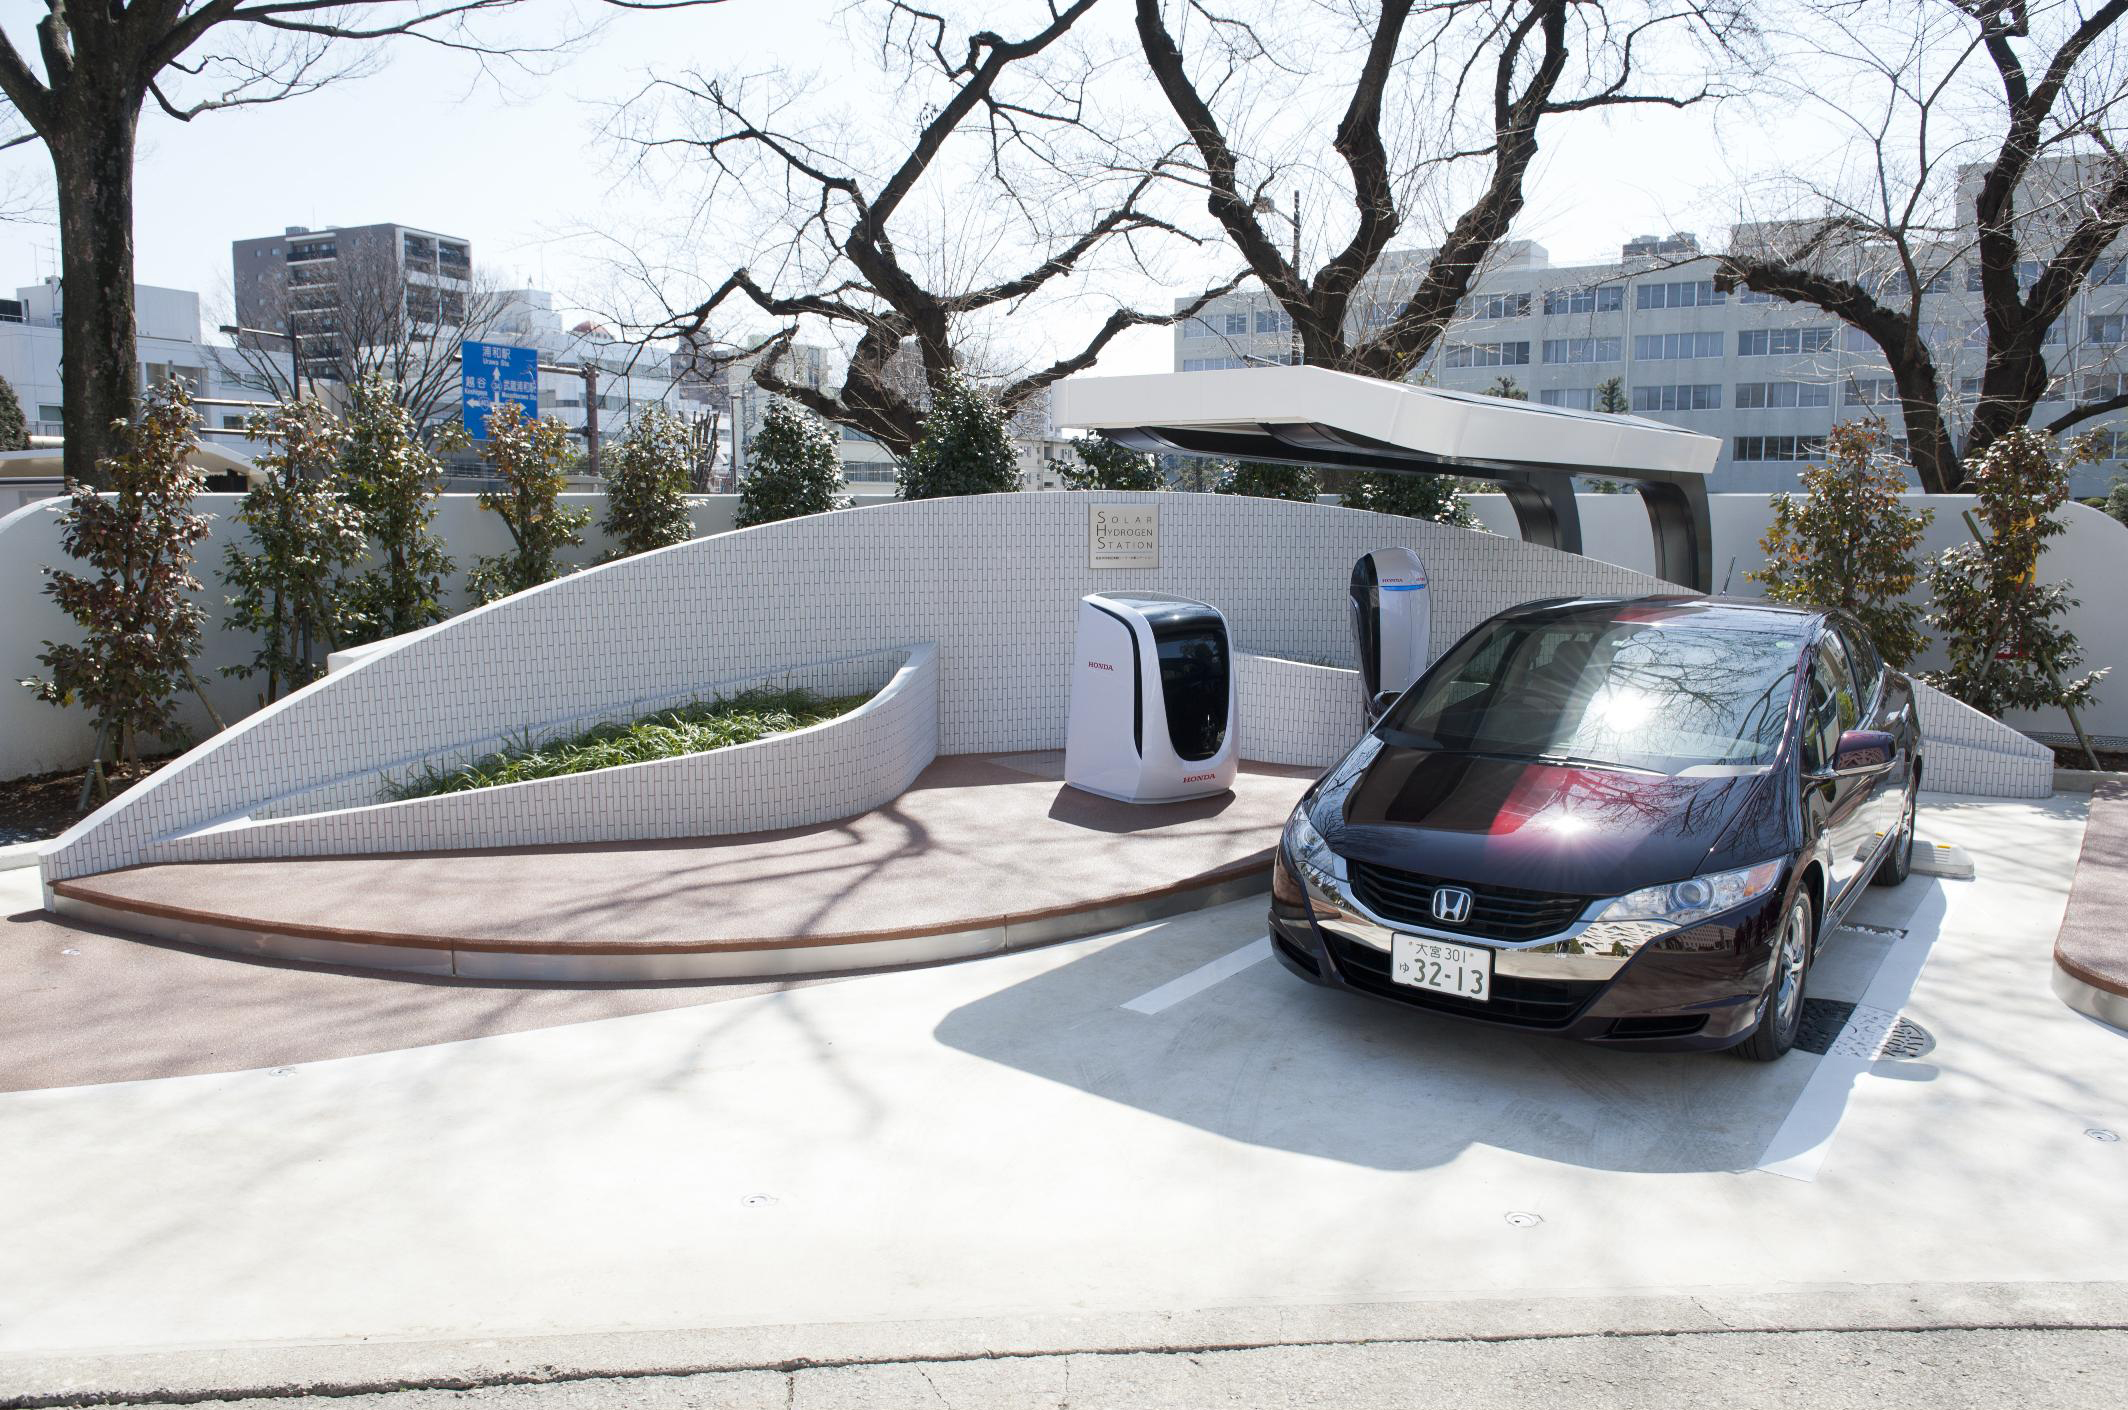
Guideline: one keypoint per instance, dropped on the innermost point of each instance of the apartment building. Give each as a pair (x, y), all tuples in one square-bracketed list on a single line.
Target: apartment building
[(361, 283), (1768, 378)]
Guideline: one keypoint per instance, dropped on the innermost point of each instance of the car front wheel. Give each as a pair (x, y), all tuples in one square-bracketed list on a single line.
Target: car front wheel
[(1781, 1007), (1898, 860)]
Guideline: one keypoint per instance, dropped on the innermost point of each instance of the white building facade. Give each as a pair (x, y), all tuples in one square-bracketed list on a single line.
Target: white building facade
[(1770, 378)]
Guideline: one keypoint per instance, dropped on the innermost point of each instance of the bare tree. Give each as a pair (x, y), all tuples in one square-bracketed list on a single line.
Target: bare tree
[(1982, 185), (1403, 140), (360, 316), (103, 60), (893, 248)]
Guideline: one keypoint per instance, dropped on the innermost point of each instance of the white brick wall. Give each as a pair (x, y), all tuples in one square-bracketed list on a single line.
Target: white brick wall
[(1965, 751), (991, 580)]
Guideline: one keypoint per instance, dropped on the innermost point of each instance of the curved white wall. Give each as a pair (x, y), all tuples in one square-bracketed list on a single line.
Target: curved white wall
[(992, 580)]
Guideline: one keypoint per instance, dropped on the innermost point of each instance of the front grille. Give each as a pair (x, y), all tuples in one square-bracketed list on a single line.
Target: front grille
[(1496, 912), (1658, 1026), (1534, 1003)]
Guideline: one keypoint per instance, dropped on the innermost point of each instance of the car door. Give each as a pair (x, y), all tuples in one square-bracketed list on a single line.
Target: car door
[(1886, 709), (1844, 807)]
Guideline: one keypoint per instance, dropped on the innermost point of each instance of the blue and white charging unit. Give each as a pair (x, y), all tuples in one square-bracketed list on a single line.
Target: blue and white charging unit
[(1392, 623)]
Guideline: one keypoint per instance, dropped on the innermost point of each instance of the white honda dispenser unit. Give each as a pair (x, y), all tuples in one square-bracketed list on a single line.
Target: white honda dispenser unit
[(1391, 622), (1153, 715)]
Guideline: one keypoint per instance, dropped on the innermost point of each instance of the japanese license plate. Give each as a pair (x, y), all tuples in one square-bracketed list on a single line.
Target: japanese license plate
[(1466, 971)]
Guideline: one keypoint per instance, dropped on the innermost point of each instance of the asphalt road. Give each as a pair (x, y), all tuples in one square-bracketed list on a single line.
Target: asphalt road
[(1943, 1369)]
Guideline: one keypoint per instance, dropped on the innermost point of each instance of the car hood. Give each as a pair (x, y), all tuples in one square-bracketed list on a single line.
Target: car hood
[(1564, 828)]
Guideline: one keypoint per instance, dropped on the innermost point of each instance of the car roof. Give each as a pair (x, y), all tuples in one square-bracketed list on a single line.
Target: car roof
[(1738, 614)]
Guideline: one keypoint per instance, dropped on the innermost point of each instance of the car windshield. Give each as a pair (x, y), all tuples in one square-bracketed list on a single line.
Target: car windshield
[(1663, 695)]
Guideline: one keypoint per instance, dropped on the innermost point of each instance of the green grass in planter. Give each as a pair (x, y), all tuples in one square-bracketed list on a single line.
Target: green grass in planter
[(693, 728)]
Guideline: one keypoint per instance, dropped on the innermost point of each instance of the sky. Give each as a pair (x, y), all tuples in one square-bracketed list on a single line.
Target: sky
[(516, 163)]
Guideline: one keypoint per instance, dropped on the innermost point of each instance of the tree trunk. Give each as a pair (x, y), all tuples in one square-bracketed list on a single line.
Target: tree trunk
[(93, 166)]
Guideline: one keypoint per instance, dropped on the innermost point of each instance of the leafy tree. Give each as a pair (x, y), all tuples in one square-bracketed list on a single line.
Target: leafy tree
[(646, 488), (1262, 480), (139, 624), (797, 469), (1849, 542), (1433, 497), (964, 448), (391, 480), (2007, 650), (1507, 388), (14, 431), (285, 588), (1104, 465), (1611, 396), (531, 459)]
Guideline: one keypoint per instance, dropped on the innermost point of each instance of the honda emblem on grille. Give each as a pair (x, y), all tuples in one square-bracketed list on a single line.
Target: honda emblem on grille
[(1451, 905)]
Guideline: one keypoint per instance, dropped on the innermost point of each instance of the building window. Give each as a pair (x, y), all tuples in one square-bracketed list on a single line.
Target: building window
[(1687, 397), (1488, 354), (1237, 323), (1869, 391), (2109, 272), (1753, 296), (1607, 299), (1493, 305), (1272, 320), (2102, 387), (1573, 398), (1781, 342), (54, 414), (1568, 350), (1778, 448), (1649, 347), (1691, 293), (1753, 396), (2027, 276), (2104, 329)]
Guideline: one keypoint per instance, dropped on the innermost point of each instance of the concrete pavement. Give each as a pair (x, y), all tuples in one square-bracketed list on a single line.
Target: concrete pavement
[(869, 1165)]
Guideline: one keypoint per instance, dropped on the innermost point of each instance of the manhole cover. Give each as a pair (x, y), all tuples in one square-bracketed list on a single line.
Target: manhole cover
[(2100, 1133), (1831, 1025), (1522, 1219)]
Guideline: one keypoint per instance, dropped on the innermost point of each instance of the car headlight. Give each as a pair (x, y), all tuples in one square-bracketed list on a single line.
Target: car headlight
[(1683, 902), (1319, 866)]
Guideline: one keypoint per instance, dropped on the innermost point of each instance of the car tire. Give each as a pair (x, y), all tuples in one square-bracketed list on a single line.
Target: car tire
[(1897, 862), (1781, 1006)]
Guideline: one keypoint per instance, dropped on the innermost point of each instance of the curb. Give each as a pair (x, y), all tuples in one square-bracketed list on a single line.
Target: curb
[(20, 854)]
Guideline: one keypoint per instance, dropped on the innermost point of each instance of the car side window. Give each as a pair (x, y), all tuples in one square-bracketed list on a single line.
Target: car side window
[(1834, 706), (1869, 666)]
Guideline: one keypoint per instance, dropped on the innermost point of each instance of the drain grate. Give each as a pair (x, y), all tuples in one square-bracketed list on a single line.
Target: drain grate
[(1836, 1026)]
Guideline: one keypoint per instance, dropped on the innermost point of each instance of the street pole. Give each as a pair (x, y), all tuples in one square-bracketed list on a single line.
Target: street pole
[(591, 419)]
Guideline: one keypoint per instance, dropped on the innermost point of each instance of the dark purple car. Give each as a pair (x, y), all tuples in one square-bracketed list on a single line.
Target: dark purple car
[(1630, 821)]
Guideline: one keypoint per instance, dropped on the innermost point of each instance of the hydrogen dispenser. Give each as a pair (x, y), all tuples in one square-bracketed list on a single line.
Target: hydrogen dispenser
[(1153, 706), (1391, 623)]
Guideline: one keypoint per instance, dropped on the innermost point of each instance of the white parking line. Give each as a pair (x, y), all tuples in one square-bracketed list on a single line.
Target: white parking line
[(1799, 1148), (1201, 978)]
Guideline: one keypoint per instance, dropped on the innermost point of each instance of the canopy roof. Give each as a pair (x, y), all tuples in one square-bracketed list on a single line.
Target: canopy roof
[(1311, 410), (1314, 416)]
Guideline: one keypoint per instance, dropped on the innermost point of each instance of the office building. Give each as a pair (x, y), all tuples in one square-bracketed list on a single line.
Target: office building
[(365, 284), (1769, 378)]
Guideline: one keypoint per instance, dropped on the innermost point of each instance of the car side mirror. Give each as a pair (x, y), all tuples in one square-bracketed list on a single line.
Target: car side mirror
[(1379, 706), (1862, 751)]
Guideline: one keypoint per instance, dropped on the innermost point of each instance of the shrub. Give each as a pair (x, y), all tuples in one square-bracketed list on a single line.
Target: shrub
[(1506, 388), (646, 488), (391, 480), (689, 729), (797, 468), (1611, 396), (139, 624), (14, 431), (2116, 500), (1438, 498), (1262, 480), (303, 533), (2007, 650), (1849, 541), (1104, 465), (531, 459), (964, 448)]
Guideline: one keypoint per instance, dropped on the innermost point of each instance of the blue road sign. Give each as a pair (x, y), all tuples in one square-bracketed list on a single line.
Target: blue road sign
[(496, 373)]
